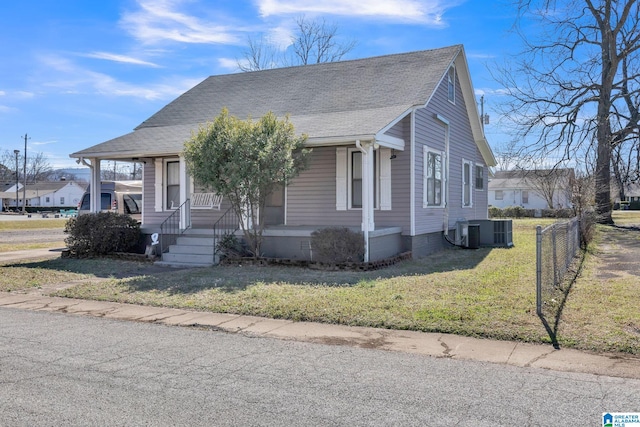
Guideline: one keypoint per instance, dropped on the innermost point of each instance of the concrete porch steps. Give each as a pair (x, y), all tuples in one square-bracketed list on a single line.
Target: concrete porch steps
[(194, 248)]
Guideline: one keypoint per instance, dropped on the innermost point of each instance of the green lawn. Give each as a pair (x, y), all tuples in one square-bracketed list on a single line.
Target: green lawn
[(482, 293)]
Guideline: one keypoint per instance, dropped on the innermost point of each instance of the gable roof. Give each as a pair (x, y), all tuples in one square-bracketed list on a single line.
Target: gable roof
[(521, 178), (335, 101)]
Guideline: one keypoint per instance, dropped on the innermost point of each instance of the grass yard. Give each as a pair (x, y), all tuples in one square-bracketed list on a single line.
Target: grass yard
[(483, 293), (12, 234)]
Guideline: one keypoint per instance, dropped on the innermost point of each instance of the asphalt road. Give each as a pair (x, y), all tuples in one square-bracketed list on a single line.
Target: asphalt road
[(57, 369)]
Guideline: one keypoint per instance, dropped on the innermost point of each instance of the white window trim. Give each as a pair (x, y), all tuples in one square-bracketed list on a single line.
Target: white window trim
[(344, 181), (471, 183), (376, 165), (425, 151), (163, 199)]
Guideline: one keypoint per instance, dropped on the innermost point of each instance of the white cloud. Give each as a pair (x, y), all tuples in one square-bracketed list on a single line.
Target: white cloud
[(67, 77), (160, 20), (120, 58), (228, 63), (2, 93), (423, 11)]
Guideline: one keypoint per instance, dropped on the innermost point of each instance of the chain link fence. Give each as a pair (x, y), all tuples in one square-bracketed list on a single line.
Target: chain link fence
[(556, 247)]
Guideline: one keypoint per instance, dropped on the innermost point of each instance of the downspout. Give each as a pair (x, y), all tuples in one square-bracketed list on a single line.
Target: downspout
[(445, 216)]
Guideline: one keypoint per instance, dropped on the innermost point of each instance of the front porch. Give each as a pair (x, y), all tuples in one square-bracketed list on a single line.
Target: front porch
[(196, 246)]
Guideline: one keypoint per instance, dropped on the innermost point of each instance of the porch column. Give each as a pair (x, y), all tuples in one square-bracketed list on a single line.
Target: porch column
[(185, 217), (368, 223), (95, 193)]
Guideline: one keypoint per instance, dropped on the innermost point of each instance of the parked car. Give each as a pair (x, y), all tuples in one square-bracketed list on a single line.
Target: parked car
[(124, 197)]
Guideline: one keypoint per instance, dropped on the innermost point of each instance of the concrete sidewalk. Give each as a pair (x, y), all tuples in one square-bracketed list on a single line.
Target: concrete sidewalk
[(15, 256), (429, 344)]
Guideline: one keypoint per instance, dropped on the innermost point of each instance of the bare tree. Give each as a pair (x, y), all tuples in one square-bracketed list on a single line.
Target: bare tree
[(576, 86), (549, 182), (259, 55), (38, 168), (313, 42), (121, 171)]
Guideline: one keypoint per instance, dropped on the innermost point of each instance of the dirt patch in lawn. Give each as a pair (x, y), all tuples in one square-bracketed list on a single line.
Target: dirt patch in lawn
[(618, 252)]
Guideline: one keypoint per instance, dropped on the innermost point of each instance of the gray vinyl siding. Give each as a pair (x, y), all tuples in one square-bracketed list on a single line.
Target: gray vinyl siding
[(199, 217), (431, 132), (399, 215), (311, 196)]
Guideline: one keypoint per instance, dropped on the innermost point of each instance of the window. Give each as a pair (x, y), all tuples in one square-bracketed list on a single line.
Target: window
[(479, 177), (499, 195), (172, 184), (525, 197), (466, 183), (451, 84), (433, 178), (61, 200), (47, 199), (349, 178), (356, 179)]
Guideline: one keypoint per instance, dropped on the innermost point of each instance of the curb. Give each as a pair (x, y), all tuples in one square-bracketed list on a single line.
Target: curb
[(427, 344)]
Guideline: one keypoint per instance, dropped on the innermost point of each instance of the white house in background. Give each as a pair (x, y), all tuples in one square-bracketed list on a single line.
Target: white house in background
[(58, 194), (526, 188)]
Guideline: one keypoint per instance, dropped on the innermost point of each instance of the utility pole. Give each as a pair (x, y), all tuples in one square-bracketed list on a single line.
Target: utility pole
[(484, 118), (16, 152), (24, 173)]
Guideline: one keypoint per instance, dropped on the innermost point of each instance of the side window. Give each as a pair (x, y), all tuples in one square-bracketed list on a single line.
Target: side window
[(499, 195), (61, 200), (525, 197), (479, 177), (466, 183), (433, 178), (173, 184), (451, 84)]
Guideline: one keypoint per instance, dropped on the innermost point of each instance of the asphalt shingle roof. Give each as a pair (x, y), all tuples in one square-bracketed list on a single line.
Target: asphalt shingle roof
[(330, 100)]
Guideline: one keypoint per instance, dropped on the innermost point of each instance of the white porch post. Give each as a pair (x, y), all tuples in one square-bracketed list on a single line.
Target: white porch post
[(96, 186), (368, 223), (184, 194)]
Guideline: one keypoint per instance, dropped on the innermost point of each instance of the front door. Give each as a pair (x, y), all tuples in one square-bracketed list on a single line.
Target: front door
[(274, 208)]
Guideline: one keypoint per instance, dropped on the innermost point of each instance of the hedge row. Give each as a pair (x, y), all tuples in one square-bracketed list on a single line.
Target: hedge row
[(520, 212)]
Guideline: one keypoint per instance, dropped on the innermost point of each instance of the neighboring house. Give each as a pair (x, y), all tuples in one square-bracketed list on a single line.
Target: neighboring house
[(398, 151), (55, 194), (531, 189), (631, 193)]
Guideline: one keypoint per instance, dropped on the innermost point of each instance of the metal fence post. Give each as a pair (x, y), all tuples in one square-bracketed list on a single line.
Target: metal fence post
[(539, 270)]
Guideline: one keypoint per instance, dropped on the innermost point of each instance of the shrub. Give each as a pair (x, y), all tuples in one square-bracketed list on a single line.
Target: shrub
[(231, 247), (514, 212), (587, 228), (337, 244), (101, 233), (495, 212), (634, 206)]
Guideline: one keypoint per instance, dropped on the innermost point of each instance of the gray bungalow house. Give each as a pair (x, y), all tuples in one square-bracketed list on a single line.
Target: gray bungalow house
[(398, 153)]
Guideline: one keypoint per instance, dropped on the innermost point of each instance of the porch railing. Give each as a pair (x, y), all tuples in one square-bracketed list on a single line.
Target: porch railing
[(170, 229), (227, 225)]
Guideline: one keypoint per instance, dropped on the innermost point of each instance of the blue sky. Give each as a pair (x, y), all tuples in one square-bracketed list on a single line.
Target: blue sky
[(75, 73)]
